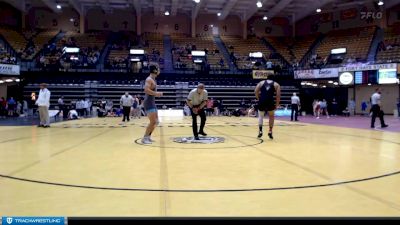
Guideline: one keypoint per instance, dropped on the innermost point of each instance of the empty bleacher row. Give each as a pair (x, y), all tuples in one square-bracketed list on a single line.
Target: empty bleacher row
[(292, 49), (174, 93)]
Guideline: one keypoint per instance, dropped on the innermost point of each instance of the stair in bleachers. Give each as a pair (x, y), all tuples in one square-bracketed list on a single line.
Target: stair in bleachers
[(222, 48), (106, 51), (306, 58), (378, 38), (275, 52), (168, 65)]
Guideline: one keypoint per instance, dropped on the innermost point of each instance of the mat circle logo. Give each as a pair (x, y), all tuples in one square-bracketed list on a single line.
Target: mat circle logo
[(203, 140)]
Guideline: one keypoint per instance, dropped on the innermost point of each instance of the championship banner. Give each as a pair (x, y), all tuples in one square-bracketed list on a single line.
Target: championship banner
[(367, 67), (262, 74), (7, 69), (348, 14), (280, 21), (316, 73), (326, 17)]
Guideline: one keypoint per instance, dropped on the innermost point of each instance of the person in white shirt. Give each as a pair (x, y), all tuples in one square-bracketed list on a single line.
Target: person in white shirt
[(136, 107), (78, 107), (43, 103), (295, 106), (126, 102), (376, 109), (88, 105), (196, 101), (82, 105), (61, 104), (73, 114), (85, 104)]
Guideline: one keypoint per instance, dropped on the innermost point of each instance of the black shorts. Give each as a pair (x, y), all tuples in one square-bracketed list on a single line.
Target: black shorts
[(266, 106)]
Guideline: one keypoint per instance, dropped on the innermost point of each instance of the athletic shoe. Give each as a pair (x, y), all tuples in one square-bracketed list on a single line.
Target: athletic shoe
[(317, 118), (40, 126), (197, 138), (270, 135), (202, 133), (46, 126), (146, 141), (384, 126), (151, 140), (260, 134)]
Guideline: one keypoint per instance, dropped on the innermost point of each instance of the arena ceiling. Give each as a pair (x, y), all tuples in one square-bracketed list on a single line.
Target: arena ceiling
[(245, 9)]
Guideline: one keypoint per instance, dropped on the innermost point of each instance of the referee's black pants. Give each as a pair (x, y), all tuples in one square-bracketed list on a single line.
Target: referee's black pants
[(376, 112), (202, 115), (126, 111), (295, 111)]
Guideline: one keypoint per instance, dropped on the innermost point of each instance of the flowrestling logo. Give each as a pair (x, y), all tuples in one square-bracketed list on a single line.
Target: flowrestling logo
[(371, 15), (34, 220)]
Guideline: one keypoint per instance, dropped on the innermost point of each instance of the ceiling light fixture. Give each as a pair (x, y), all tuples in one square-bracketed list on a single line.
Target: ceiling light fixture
[(58, 6), (265, 18), (219, 14), (166, 13), (259, 4), (318, 10), (380, 3)]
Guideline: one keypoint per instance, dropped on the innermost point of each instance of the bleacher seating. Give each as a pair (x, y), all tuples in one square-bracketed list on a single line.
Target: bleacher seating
[(389, 50), (29, 43), (183, 45), (5, 56), (90, 46), (154, 48), (118, 55), (14, 38), (357, 41), (241, 49), (292, 49), (40, 40)]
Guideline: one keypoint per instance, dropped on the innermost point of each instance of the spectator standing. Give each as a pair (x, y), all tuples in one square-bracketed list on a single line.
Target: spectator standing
[(11, 106), (61, 104), (43, 103), (334, 107)]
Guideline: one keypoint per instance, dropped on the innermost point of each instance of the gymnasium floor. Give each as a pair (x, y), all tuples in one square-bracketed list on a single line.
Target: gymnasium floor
[(94, 167)]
